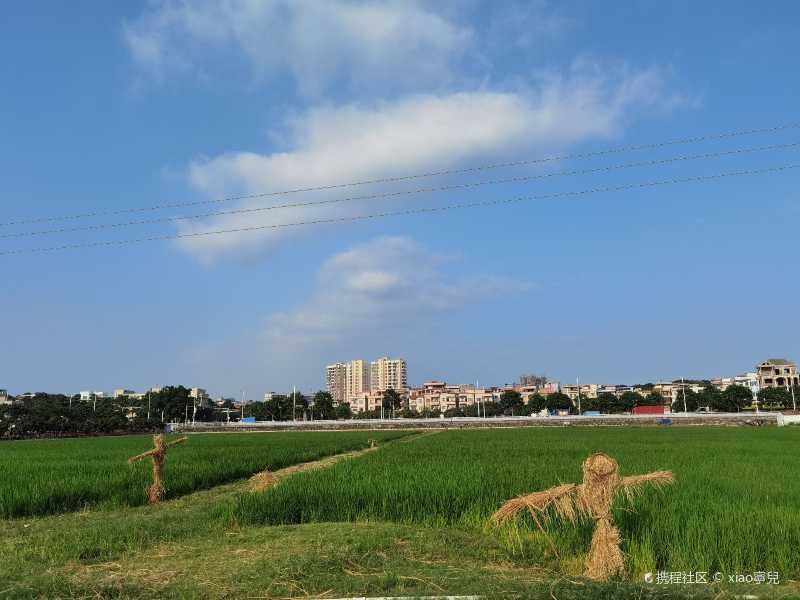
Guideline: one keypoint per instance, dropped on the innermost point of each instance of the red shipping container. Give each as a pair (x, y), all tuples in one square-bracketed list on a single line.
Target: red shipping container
[(648, 410)]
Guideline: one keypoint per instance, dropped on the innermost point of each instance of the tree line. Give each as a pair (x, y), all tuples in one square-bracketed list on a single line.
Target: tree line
[(61, 415)]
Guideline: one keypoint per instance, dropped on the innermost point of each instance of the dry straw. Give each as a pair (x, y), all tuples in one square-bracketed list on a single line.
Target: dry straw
[(159, 456), (262, 481), (592, 498)]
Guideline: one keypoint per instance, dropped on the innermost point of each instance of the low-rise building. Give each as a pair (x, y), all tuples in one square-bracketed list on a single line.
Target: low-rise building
[(198, 394), (777, 373), (89, 396), (4, 397), (746, 380), (587, 390), (124, 393)]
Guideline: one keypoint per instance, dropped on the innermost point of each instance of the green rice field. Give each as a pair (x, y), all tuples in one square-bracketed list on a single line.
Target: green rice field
[(54, 476), (733, 507)]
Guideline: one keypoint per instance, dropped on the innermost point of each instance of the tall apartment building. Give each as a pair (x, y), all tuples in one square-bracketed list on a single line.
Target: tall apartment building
[(388, 374), (348, 381), (4, 397), (335, 377), (777, 372), (356, 379), (351, 381)]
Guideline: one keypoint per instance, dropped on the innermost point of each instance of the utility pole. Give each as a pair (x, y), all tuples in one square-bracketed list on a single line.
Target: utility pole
[(578, 385), (148, 405), (683, 389), (294, 402), (794, 404)]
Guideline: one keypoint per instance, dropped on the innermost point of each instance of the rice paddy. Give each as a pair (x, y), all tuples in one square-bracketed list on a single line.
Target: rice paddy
[(732, 508), (53, 476)]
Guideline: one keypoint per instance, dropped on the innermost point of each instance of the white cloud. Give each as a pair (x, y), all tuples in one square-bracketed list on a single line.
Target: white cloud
[(316, 42), (354, 142), (375, 287)]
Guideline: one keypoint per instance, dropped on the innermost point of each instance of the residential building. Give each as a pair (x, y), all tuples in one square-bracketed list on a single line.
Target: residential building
[(388, 374), (438, 395), (365, 401), (88, 396), (671, 391), (587, 390), (356, 380), (747, 380), (4, 397), (335, 378), (551, 387), (777, 372), (120, 393), (198, 394), (268, 396)]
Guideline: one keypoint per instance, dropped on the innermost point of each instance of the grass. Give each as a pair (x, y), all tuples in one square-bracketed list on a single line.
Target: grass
[(399, 534), (732, 509), (42, 477)]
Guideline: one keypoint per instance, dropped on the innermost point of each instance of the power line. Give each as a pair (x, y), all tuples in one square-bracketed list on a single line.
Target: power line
[(385, 195), (520, 163), (432, 209)]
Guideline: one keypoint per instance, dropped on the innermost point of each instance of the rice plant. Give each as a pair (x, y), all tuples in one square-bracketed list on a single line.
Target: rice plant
[(732, 508), (40, 477)]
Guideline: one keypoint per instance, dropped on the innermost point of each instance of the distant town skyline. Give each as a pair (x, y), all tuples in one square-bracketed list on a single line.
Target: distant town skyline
[(363, 382)]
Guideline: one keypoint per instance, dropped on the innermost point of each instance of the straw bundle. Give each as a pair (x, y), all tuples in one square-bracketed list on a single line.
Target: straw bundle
[(594, 498), (605, 556), (262, 481), (159, 456)]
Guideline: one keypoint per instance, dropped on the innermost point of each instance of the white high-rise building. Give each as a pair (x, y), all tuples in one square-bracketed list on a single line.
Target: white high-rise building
[(388, 374)]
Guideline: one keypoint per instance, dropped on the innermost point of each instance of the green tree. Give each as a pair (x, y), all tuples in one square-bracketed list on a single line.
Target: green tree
[(693, 400), (323, 405), (607, 402), (628, 400), (559, 401), (391, 400), (343, 411), (652, 399), (536, 403), (511, 402), (296, 405), (733, 399), (710, 397), (775, 398)]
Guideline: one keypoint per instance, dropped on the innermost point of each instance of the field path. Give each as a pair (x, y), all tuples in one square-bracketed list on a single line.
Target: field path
[(265, 479)]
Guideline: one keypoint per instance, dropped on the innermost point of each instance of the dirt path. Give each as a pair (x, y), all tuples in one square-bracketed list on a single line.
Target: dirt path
[(266, 479)]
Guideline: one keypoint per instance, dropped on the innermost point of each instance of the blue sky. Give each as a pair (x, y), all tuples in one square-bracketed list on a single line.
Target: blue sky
[(110, 106)]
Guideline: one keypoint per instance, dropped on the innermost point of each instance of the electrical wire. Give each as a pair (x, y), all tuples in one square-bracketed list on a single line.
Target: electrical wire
[(385, 195), (501, 165), (415, 211)]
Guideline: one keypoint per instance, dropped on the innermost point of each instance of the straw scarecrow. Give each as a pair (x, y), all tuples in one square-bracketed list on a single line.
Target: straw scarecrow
[(592, 498), (159, 456)]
